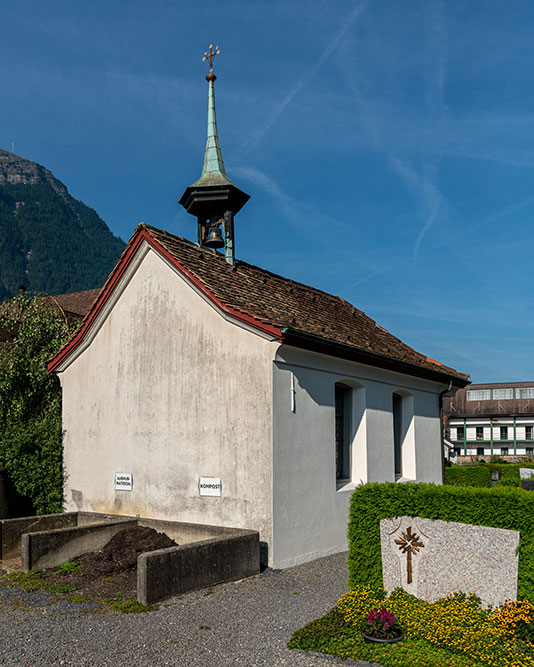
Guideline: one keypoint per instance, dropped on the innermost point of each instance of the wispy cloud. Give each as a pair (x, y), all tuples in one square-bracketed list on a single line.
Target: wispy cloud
[(297, 213), (303, 80), (421, 180), (468, 229)]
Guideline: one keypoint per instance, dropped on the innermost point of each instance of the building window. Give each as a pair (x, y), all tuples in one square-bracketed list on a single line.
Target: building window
[(479, 395), (460, 433), (403, 435), (343, 410), (524, 392), (528, 432), (397, 433), (503, 430), (529, 451), (504, 451), (457, 451), (503, 394), (480, 432), (480, 451)]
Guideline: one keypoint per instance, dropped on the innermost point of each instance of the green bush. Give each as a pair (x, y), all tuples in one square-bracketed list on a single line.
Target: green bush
[(508, 508), (30, 401), (477, 475)]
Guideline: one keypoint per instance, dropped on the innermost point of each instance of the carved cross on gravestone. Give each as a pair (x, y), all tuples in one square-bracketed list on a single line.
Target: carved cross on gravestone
[(409, 544)]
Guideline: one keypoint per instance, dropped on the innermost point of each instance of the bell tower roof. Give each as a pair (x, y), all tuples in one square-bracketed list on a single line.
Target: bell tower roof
[(213, 171), (214, 199)]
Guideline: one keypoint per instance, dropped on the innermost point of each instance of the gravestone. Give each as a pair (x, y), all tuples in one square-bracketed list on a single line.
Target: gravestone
[(431, 559), (526, 476)]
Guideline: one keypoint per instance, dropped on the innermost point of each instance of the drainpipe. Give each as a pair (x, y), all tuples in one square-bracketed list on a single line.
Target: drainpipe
[(491, 435), (465, 436), (515, 438), (442, 394)]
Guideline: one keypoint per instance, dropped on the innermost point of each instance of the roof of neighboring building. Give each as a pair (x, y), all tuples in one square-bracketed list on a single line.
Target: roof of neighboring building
[(294, 313), (465, 403), (76, 304)]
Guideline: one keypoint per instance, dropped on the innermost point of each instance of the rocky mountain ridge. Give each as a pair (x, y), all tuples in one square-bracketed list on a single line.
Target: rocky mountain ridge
[(49, 241)]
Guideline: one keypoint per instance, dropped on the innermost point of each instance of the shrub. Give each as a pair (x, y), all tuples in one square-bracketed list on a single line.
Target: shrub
[(507, 508), (30, 400), (476, 475)]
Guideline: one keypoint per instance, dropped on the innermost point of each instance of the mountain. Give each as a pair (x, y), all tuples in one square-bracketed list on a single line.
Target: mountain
[(49, 241)]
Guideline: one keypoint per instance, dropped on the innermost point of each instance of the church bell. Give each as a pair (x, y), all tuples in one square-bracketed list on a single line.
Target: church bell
[(215, 239)]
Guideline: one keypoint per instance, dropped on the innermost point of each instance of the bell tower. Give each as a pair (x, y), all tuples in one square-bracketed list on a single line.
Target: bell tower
[(214, 199)]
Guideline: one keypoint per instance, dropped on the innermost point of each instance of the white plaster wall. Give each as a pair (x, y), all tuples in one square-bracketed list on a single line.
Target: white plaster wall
[(310, 512), (169, 390)]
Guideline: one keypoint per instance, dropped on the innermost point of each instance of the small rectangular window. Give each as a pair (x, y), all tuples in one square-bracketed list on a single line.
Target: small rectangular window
[(479, 395), (528, 432), (524, 392), (529, 451), (480, 433), (480, 451), (460, 433), (503, 431), (342, 436), (458, 451), (504, 451), (503, 394)]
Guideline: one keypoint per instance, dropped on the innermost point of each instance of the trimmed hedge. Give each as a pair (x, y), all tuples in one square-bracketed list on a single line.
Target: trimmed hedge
[(479, 475), (508, 508), (468, 475)]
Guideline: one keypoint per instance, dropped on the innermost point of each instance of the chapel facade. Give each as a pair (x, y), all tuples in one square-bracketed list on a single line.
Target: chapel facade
[(193, 365)]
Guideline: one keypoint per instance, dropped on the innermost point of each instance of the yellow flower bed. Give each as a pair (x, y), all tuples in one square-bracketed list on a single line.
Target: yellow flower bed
[(456, 622)]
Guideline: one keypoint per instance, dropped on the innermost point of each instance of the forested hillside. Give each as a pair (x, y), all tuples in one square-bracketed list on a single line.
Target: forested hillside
[(49, 241)]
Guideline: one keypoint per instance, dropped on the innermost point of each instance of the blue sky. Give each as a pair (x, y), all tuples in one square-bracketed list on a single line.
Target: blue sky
[(388, 147)]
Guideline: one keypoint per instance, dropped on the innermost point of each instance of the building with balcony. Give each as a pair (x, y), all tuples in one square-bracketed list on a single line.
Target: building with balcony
[(495, 419)]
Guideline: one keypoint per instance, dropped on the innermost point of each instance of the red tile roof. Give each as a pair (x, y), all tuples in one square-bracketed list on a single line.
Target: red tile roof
[(296, 313), (76, 304)]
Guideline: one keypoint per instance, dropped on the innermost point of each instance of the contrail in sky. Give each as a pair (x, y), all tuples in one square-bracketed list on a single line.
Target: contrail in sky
[(303, 80)]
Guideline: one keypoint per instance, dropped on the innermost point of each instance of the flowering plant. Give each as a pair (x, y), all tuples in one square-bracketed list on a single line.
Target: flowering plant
[(381, 624)]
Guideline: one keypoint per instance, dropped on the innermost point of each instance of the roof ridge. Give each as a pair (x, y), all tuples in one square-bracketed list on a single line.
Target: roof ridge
[(241, 262), (268, 301)]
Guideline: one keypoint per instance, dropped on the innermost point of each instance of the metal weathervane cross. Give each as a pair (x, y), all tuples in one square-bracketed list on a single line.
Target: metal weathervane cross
[(409, 544), (210, 55)]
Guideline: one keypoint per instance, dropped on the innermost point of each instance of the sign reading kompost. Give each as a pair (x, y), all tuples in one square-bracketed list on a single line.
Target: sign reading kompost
[(123, 481), (209, 486)]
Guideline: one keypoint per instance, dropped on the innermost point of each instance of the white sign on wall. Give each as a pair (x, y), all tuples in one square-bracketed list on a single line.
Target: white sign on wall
[(209, 486), (123, 481)]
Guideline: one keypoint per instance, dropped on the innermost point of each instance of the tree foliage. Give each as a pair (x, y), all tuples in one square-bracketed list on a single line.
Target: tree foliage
[(30, 400), (50, 241)]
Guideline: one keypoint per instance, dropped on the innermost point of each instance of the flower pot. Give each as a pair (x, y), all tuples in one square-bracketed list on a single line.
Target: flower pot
[(377, 640)]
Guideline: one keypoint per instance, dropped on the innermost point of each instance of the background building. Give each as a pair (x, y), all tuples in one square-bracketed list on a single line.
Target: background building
[(491, 419)]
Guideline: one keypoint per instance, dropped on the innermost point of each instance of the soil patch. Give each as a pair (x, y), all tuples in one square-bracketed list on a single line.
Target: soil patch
[(112, 571)]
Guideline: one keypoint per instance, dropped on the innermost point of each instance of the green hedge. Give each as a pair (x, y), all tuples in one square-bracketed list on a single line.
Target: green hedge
[(476, 475), (510, 474), (508, 508), (479, 475)]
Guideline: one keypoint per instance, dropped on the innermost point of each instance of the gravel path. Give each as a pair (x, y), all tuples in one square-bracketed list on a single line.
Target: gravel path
[(244, 623)]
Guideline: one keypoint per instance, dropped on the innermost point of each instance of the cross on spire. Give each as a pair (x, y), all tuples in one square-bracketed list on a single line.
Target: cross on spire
[(210, 55)]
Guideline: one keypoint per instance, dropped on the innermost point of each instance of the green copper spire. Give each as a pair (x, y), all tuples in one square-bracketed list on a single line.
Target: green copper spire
[(214, 200), (213, 171)]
